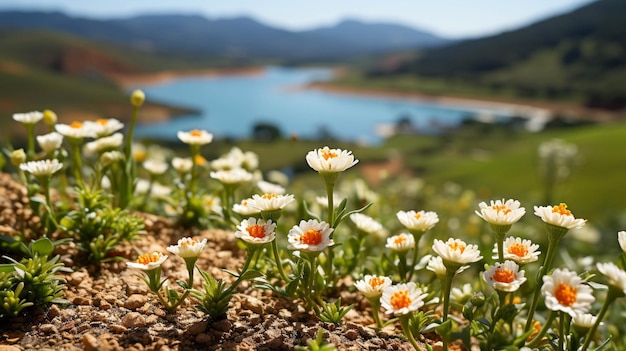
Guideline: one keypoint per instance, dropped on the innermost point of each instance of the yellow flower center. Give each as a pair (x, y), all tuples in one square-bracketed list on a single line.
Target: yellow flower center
[(311, 237), (518, 250), (195, 133), (502, 208), (102, 121), (148, 258), (76, 125), (565, 294), (457, 246), (186, 242), (256, 231), (140, 156), (418, 215), (376, 282), (198, 160), (400, 299), (269, 196), (561, 209), (326, 154), (399, 240), (502, 275)]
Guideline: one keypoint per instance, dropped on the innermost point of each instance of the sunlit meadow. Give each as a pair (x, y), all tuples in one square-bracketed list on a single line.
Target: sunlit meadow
[(486, 275)]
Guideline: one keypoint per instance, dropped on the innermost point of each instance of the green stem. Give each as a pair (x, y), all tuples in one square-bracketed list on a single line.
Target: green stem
[(129, 137), (402, 269), (535, 342), (404, 322), (77, 164), (195, 149), (30, 133), (500, 243), (416, 237), (331, 212), (251, 251), (279, 264), (375, 302), (446, 300), (561, 330), (610, 297), (552, 245)]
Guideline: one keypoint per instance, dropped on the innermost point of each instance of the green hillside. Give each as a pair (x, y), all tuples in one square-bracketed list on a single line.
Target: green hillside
[(577, 57)]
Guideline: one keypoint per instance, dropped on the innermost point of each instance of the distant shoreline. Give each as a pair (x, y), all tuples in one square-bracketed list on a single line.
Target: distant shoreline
[(524, 108)]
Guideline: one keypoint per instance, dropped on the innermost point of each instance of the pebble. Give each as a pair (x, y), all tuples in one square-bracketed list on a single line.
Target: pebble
[(203, 338), (198, 327), (118, 329), (351, 334), (9, 348), (90, 342), (134, 320), (78, 277), (48, 329), (223, 325), (135, 301), (54, 311), (253, 304), (81, 300)]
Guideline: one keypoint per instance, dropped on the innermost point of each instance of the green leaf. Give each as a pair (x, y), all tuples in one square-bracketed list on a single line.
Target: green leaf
[(6, 268), (42, 246)]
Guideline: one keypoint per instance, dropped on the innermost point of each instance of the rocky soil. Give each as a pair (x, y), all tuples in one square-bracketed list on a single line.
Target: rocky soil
[(110, 308)]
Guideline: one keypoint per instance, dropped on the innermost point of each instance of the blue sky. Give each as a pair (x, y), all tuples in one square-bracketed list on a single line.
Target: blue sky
[(449, 18)]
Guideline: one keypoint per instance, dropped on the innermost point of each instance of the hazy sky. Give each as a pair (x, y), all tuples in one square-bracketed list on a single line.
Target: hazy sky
[(450, 18)]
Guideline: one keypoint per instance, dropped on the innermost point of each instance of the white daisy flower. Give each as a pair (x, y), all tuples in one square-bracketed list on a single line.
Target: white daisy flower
[(372, 286), (504, 276), (367, 224), (501, 212), (105, 127), (182, 165), (28, 117), (108, 157), (311, 235), (401, 242), (418, 221), (584, 320), (50, 142), (155, 167), (565, 291), (148, 262), (270, 202), (456, 251), (213, 203), (463, 294), (519, 250), (270, 188), (621, 238), (402, 299), (106, 143), (42, 167), (75, 130), (278, 177), (330, 160), (195, 137), (616, 275), (244, 208), (187, 247), (233, 176), (435, 264), (559, 216), (256, 231)]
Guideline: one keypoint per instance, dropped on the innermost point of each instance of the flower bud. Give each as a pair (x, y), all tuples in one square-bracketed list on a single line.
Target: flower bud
[(49, 117), (18, 157), (137, 98)]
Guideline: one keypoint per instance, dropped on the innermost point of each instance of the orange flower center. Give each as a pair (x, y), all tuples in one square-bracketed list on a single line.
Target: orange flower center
[(195, 133), (399, 240), (375, 282), (502, 275), (102, 121), (565, 294), (457, 246), (198, 160), (502, 208), (561, 209), (148, 258), (311, 237), (187, 242), (326, 154), (418, 215), (269, 196), (400, 299), (256, 231), (76, 125), (518, 250)]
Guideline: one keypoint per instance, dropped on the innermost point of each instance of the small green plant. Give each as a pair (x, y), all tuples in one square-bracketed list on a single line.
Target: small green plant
[(333, 312), (100, 228), (31, 281), (318, 344)]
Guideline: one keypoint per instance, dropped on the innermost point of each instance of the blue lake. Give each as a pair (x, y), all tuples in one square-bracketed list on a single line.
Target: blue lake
[(230, 106)]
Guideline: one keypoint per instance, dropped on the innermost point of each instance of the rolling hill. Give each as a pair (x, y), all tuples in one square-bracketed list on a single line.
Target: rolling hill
[(578, 56)]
